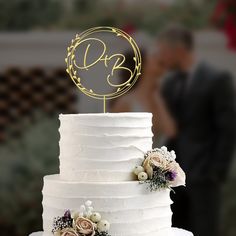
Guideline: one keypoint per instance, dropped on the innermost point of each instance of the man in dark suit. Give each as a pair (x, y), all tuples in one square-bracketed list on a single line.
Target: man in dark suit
[(201, 100)]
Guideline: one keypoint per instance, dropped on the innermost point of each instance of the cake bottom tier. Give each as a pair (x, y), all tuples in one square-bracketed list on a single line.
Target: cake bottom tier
[(129, 206), (169, 232)]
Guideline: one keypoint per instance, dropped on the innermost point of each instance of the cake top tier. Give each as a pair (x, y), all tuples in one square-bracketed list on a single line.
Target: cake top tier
[(103, 146), (119, 114)]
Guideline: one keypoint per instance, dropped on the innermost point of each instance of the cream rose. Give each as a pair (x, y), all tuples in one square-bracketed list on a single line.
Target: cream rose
[(85, 226), (68, 232), (157, 159), (147, 167), (180, 178), (154, 159)]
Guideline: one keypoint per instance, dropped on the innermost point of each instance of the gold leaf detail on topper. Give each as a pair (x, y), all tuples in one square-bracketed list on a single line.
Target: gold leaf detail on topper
[(114, 60)]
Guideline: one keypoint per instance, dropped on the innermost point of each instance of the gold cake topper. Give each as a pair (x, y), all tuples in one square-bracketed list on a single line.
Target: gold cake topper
[(77, 63)]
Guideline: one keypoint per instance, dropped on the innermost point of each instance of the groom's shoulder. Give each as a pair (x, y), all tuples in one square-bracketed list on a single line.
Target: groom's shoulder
[(213, 74)]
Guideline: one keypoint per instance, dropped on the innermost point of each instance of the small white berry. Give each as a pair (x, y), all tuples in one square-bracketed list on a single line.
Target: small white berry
[(164, 148), (88, 203), (90, 208), (95, 217), (88, 213), (142, 176), (82, 208), (173, 155), (103, 226), (138, 169)]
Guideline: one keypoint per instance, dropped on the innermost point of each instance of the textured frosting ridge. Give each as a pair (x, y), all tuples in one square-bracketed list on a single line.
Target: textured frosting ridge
[(103, 147)]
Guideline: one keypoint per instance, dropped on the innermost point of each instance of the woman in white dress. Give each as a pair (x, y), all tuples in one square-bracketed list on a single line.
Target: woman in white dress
[(145, 96)]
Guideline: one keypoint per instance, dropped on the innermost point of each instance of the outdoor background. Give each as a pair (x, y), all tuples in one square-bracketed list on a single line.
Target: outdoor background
[(34, 87)]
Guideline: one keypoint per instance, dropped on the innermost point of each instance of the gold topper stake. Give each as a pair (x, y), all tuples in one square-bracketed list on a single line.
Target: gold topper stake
[(87, 38)]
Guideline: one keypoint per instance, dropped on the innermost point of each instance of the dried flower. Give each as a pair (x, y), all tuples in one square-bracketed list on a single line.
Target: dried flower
[(68, 232), (180, 177), (85, 226), (170, 175), (148, 167), (154, 159), (162, 169), (63, 222), (103, 233)]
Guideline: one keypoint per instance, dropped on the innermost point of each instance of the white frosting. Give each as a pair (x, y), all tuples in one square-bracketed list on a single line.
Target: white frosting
[(164, 232), (103, 147), (97, 155), (161, 232), (129, 206)]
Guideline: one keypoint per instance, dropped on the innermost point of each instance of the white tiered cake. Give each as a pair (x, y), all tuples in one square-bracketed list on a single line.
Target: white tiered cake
[(97, 155)]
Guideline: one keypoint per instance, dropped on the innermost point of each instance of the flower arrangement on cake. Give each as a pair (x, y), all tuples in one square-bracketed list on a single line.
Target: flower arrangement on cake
[(86, 222), (160, 170)]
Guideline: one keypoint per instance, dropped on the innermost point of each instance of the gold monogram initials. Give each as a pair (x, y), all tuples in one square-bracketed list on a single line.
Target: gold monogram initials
[(118, 59)]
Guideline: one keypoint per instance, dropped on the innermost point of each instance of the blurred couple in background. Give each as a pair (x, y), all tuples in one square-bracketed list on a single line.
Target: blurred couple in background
[(193, 106)]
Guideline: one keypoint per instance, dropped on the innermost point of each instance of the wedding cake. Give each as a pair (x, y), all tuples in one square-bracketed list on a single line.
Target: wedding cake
[(106, 162)]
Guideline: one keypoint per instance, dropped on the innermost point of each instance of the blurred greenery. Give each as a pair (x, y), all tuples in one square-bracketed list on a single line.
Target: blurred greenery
[(26, 14), (74, 14), (23, 163)]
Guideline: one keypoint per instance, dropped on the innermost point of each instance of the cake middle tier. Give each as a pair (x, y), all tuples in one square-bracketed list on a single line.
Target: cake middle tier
[(103, 147), (129, 206)]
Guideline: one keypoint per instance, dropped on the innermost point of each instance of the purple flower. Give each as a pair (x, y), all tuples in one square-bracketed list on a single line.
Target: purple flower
[(67, 214), (170, 175), (63, 222)]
